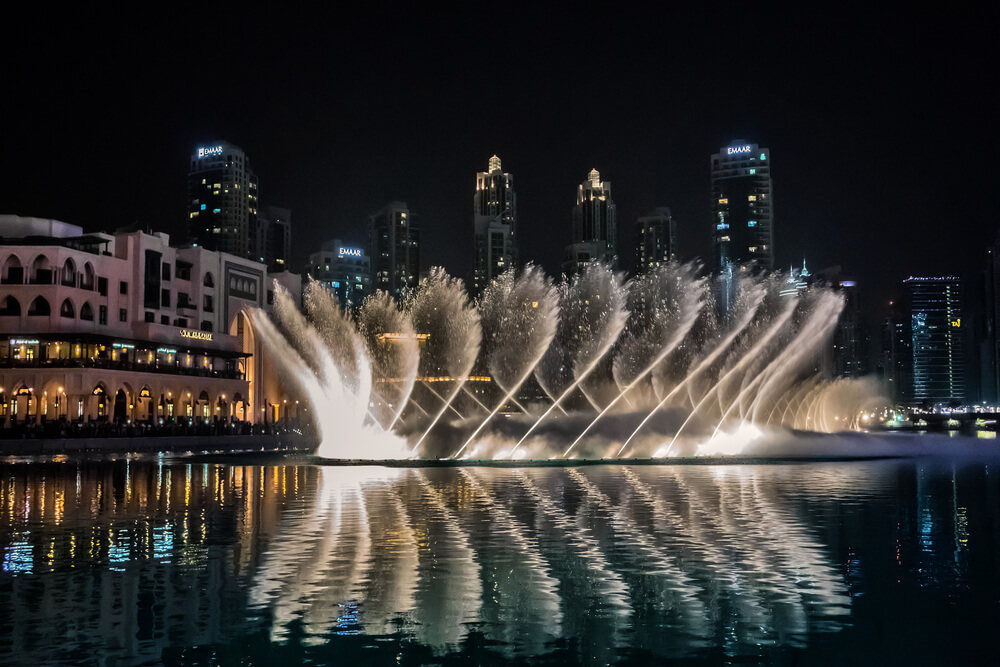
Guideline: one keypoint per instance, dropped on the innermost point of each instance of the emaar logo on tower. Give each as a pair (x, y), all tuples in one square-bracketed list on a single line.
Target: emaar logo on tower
[(212, 150), (736, 150), (350, 252)]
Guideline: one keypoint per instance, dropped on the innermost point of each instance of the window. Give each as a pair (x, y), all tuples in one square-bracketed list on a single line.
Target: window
[(150, 317), (270, 297), (207, 303), (165, 298), (209, 282), (206, 325), (122, 315), (165, 268), (102, 314), (164, 319), (122, 287), (86, 312), (102, 286), (67, 309), (181, 322)]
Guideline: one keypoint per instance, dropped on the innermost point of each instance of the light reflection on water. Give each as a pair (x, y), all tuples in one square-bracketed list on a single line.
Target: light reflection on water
[(144, 559)]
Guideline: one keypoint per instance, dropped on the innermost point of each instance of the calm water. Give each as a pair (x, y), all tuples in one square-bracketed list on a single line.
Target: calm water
[(184, 562)]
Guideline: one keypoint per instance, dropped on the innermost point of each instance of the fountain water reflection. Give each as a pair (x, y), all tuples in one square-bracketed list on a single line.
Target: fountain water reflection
[(134, 559), (669, 363)]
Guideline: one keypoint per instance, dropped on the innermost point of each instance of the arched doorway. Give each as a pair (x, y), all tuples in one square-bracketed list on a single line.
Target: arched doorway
[(242, 329), (121, 406)]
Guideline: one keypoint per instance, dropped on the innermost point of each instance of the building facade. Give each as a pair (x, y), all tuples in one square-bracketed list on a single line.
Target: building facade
[(344, 269), (222, 200), (595, 226), (937, 348), (273, 239), (742, 208), (393, 249), (656, 239), (494, 225), (126, 327)]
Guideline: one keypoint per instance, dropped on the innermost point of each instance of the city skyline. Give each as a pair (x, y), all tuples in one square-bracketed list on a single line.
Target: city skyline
[(875, 122)]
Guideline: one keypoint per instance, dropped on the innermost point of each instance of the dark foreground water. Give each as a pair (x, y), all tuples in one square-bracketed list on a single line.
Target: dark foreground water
[(180, 561)]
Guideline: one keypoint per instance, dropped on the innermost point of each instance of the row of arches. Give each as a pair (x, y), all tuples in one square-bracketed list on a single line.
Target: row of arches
[(121, 403), (39, 307), (43, 272)]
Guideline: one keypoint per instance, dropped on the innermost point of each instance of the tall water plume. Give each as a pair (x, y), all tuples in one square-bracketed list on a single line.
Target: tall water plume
[(440, 309), (393, 350)]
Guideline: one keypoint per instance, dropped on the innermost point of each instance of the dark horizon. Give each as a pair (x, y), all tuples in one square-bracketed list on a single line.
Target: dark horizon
[(875, 123)]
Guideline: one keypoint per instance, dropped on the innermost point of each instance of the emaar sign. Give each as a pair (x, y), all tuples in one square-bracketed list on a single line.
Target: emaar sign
[(211, 150), (736, 150), (350, 252)]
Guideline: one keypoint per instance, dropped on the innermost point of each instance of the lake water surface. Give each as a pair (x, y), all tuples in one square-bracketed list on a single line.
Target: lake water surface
[(190, 561)]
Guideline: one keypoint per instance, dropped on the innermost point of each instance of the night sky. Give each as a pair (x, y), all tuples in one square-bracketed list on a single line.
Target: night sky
[(879, 122)]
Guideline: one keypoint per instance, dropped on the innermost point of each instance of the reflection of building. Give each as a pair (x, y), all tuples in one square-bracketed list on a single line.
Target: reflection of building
[(494, 225), (394, 249), (595, 229), (150, 535), (127, 327), (937, 337), (656, 239), (742, 210), (344, 269)]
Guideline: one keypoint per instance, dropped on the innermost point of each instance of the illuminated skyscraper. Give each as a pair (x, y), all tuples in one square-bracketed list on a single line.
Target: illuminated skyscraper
[(656, 239), (393, 249), (595, 229), (938, 340), (494, 223), (222, 200), (742, 210)]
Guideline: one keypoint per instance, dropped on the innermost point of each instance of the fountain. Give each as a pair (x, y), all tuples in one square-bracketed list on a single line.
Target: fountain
[(670, 363)]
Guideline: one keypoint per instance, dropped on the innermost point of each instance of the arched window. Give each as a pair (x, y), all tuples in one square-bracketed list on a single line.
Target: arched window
[(88, 276), (67, 310), (10, 307), (86, 312), (39, 307), (13, 272), (41, 271), (69, 273), (209, 281)]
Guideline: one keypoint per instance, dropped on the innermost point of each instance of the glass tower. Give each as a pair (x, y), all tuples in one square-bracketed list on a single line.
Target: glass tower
[(742, 210), (938, 346)]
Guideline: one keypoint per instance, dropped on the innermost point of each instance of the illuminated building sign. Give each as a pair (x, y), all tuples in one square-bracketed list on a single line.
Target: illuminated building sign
[(211, 150), (350, 252), (196, 335), (166, 350), (124, 346), (24, 341), (736, 150)]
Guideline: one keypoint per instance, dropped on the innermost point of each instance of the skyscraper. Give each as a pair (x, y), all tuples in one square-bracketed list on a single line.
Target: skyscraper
[(742, 210), (656, 239), (344, 269), (938, 340), (494, 224), (393, 249), (595, 229), (274, 237), (222, 200)]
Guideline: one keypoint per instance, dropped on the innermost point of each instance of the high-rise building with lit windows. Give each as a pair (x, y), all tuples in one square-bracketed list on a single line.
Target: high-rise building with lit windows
[(742, 209), (656, 239), (595, 228), (494, 224), (222, 200), (937, 340), (393, 249)]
